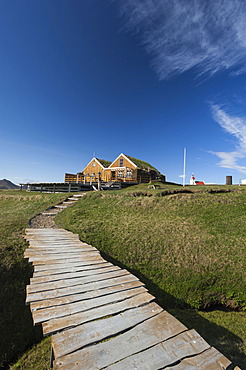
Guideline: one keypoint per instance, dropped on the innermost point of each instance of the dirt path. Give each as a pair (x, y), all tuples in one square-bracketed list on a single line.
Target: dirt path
[(41, 222), (46, 219)]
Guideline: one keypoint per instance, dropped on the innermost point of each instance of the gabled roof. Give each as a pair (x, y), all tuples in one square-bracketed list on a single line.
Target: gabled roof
[(141, 164), (121, 154), (104, 163)]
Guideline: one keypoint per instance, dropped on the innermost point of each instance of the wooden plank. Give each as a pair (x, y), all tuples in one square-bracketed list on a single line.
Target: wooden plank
[(57, 236), (45, 231), (74, 281), (70, 275), (42, 244), (41, 253), (54, 325), (57, 246), (95, 331), (53, 247), (49, 249), (85, 295), (55, 239), (147, 334), (70, 269), (57, 249), (53, 244), (51, 267), (70, 260), (66, 256), (56, 242), (40, 296), (49, 233), (49, 213), (208, 360), (52, 238), (58, 253), (80, 306), (166, 353)]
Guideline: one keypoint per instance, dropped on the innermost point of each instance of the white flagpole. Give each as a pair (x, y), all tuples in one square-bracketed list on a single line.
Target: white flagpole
[(184, 174), (240, 180)]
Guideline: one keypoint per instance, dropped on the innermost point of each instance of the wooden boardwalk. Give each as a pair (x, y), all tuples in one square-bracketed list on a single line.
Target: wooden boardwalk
[(101, 316)]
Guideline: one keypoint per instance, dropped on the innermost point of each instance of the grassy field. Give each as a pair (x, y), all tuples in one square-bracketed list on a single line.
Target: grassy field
[(16, 209), (186, 244)]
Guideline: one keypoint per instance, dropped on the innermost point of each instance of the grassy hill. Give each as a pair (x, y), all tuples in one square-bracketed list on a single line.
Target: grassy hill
[(186, 244), (16, 327)]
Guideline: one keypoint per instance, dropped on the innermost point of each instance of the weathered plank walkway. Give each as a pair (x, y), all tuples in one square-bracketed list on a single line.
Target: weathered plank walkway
[(101, 316)]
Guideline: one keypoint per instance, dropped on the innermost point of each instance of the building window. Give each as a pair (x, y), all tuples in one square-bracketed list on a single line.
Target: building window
[(120, 174), (129, 174), (93, 164), (121, 162)]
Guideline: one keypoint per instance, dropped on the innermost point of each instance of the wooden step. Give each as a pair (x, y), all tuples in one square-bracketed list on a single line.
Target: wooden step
[(102, 316)]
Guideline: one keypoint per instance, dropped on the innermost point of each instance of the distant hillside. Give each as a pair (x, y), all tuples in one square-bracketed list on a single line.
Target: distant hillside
[(6, 184)]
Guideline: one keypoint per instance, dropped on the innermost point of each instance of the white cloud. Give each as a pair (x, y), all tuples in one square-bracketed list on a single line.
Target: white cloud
[(235, 126), (23, 180), (207, 35)]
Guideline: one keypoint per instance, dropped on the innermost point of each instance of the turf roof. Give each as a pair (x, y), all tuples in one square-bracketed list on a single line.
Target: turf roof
[(141, 164), (104, 162)]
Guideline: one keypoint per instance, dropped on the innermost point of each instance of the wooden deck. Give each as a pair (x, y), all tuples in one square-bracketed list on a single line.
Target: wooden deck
[(101, 316)]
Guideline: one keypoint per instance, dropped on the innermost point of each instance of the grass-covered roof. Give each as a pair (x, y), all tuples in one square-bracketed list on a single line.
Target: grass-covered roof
[(141, 164), (104, 162)]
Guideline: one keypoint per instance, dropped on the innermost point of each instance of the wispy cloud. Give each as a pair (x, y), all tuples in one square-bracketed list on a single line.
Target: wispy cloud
[(23, 180), (207, 35), (235, 126)]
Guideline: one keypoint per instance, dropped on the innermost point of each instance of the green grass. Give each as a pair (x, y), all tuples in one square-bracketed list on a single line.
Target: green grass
[(38, 357), (192, 245), (188, 249), (16, 209), (187, 245)]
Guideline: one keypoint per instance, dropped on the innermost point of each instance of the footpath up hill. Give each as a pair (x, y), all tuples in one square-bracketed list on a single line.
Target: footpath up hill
[(187, 247), (186, 244)]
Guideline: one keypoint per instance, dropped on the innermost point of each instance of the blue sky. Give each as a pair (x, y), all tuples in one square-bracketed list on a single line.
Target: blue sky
[(146, 78)]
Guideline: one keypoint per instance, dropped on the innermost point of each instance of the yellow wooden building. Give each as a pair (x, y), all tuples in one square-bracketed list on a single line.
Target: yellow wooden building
[(123, 169)]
